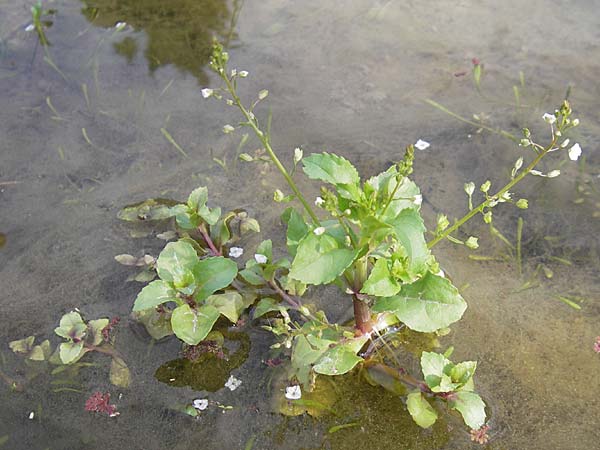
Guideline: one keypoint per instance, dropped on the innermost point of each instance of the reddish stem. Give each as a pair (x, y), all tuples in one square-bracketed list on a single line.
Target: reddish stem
[(362, 315), (211, 245)]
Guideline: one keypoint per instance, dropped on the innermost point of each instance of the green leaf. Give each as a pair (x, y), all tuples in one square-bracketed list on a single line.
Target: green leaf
[(319, 259), (409, 230), (266, 248), (157, 324), (148, 210), (330, 168), (156, 293), (71, 326), (471, 407), (335, 170), (305, 352), (213, 274), (119, 373), (230, 304), (434, 364), (426, 305), (463, 372), (253, 275), (186, 218), (296, 229), (421, 410), (384, 184), (71, 351), (193, 325), (176, 261), (41, 352), (337, 361), (266, 305), (22, 345), (95, 328), (380, 282), (197, 198)]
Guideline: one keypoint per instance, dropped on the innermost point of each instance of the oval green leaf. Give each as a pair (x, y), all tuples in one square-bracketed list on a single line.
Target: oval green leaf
[(176, 259), (156, 293), (213, 274), (421, 410), (193, 325)]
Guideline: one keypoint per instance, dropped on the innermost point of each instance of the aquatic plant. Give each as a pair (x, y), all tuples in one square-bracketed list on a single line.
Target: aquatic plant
[(365, 236), (81, 337)]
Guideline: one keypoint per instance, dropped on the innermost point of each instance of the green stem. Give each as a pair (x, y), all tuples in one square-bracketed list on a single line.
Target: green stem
[(484, 204), (265, 141)]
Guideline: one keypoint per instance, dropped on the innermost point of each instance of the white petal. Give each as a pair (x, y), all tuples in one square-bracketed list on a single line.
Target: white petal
[(233, 383), (30, 27), (243, 73), (549, 118), (553, 173), (207, 92), (575, 152), (422, 145), (200, 404), (293, 392), (261, 259), (319, 201), (418, 200), (236, 252), (319, 231)]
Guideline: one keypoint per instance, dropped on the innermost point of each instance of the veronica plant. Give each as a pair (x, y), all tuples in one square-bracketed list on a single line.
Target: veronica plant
[(367, 236)]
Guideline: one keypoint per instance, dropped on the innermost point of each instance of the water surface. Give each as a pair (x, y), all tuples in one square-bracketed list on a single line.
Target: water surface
[(80, 142)]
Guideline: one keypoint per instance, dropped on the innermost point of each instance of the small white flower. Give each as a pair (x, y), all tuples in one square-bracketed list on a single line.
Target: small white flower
[(120, 25), (565, 143), (228, 129), (519, 163), (263, 94), (553, 173), (233, 383), (537, 173), (558, 133), (549, 118), (469, 188), (319, 231), (31, 415), (200, 404), (418, 199), (298, 154), (575, 152), (236, 252), (441, 273), (229, 102), (575, 122), (233, 72), (30, 27), (319, 201), (422, 145), (261, 259), (243, 73), (293, 392), (207, 92)]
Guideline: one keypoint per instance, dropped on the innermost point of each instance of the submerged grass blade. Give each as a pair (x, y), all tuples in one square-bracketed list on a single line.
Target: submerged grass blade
[(519, 235), (341, 427), (166, 88), (169, 138), (568, 301)]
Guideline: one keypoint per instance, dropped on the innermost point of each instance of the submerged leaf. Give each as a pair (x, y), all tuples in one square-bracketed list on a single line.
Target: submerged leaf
[(230, 304), (119, 373), (157, 324), (71, 351), (152, 209), (471, 407), (420, 410)]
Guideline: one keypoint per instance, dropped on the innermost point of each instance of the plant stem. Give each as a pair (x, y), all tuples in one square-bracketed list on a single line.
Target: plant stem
[(362, 312), (285, 296), (484, 204), (211, 245), (265, 141)]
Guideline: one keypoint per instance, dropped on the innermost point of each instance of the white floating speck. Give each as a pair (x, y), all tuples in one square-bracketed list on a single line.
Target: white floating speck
[(261, 259), (422, 145), (575, 152), (233, 383), (200, 404), (31, 415), (293, 392), (236, 252)]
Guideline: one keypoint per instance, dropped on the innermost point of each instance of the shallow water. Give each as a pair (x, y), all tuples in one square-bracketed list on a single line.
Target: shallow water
[(349, 78)]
